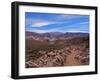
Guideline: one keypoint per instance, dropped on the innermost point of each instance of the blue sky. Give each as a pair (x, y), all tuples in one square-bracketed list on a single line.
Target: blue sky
[(47, 22)]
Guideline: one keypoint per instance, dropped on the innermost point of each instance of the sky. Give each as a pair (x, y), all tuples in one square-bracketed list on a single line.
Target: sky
[(48, 22)]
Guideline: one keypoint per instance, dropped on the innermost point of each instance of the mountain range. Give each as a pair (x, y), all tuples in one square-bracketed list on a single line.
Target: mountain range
[(55, 35)]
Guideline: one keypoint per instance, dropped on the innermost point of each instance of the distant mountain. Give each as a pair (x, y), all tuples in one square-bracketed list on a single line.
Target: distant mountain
[(54, 35), (32, 34), (76, 34)]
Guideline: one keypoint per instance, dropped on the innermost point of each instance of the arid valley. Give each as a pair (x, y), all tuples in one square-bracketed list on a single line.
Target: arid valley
[(55, 49)]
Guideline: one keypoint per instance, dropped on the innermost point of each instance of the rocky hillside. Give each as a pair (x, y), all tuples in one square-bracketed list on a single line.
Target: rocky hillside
[(62, 52)]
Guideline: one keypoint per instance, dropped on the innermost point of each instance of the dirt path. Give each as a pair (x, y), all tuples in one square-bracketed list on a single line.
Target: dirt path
[(70, 60)]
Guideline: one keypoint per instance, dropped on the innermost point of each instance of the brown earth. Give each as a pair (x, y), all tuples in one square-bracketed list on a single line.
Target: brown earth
[(74, 52)]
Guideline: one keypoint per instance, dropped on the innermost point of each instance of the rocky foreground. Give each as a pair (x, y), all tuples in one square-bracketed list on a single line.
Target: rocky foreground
[(56, 49), (73, 55)]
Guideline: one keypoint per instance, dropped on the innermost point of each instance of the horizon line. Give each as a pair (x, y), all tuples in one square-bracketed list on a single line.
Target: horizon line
[(60, 32)]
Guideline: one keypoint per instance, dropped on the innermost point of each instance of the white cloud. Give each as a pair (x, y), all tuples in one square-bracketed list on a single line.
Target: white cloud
[(75, 31), (41, 23), (38, 23), (29, 21), (44, 31), (68, 16), (84, 23), (38, 31)]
